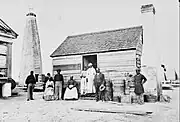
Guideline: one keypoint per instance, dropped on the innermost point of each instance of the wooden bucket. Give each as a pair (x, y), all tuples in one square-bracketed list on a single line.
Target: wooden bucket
[(133, 99), (125, 99), (127, 91), (116, 99)]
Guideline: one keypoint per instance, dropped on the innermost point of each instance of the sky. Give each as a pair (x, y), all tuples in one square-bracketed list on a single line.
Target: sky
[(58, 19)]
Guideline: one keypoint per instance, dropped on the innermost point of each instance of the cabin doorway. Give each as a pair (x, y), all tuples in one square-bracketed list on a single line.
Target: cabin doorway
[(89, 59)]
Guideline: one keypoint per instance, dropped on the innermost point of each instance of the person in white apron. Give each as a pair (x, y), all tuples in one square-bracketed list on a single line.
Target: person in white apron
[(49, 91), (71, 92), (91, 72)]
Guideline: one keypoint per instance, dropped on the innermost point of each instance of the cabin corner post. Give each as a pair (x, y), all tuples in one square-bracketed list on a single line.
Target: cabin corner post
[(9, 60), (52, 68)]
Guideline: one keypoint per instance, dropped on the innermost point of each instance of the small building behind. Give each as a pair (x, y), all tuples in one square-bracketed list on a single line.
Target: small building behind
[(6, 39)]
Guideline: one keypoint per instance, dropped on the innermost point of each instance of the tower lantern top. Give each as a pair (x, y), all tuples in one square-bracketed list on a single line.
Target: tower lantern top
[(31, 13)]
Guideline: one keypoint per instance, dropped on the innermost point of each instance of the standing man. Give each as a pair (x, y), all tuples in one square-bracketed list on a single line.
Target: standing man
[(91, 72), (59, 82), (139, 80), (99, 82), (30, 81)]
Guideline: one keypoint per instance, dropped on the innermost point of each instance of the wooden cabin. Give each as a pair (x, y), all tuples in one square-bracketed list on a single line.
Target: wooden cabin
[(6, 37), (116, 52)]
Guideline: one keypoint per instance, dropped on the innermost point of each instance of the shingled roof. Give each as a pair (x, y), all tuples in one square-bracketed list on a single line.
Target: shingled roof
[(99, 42)]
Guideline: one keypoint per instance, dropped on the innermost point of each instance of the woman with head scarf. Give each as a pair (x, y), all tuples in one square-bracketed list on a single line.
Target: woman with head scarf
[(71, 92)]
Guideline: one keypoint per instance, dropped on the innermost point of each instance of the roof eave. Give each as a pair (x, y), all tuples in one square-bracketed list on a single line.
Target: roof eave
[(132, 48), (13, 33), (8, 36)]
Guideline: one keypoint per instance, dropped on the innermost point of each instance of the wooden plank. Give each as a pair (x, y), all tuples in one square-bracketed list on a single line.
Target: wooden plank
[(67, 67), (122, 56), (127, 52), (67, 60), (134, 112), (3, 49), (71, 72), (117, 63), (117, 74), (118, 69), (2, 61)]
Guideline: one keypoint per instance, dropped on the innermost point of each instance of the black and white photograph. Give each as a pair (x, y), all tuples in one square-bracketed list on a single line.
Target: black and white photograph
[(89, 61)]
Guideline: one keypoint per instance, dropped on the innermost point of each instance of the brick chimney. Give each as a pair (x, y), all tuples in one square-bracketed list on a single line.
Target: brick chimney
[(149, 55)]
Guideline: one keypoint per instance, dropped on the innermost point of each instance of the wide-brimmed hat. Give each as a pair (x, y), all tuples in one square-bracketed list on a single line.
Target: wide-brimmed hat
[(102, 88)]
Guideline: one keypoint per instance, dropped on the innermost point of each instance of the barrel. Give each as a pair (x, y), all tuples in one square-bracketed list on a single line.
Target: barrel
[(6, 90), (118, 87), (133, 98), (127, 91), (13, 83), (131, 85), (127, 87)]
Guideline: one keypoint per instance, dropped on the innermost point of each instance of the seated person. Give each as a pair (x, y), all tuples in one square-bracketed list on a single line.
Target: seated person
[(71, 92), (49, 90)]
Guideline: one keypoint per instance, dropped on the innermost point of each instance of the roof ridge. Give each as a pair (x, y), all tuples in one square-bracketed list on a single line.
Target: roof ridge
[(105, 31)]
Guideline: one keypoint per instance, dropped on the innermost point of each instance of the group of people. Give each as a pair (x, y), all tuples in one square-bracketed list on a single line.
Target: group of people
[(53, 87), (92, 81)]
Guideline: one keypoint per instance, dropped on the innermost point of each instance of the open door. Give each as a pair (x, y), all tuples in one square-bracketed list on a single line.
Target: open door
[(89, 59)]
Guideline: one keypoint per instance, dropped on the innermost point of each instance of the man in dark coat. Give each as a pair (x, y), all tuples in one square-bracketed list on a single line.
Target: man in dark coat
[(59, 82), (99, 83), (30, 81), (139, 80)]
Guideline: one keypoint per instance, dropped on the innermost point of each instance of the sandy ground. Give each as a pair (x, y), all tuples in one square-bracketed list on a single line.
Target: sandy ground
[(17, 109)]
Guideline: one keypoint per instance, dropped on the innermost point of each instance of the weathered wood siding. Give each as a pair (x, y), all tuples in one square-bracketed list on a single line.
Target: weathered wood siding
[(3, 54), (69, 65), (6, 58), (116, 66)]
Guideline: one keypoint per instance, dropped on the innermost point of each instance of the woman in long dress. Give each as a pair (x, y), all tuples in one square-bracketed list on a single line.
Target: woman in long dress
[(71, 92), (49, 91), (83, 83), (91, 72)]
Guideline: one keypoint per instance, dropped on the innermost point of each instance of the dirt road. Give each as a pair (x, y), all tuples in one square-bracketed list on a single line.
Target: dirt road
[(17, 109)]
